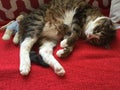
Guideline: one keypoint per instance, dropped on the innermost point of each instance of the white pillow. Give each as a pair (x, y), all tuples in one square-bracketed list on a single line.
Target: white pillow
[(115, 11)]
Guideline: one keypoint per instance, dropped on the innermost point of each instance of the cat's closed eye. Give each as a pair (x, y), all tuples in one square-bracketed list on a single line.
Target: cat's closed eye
[(97, 30)]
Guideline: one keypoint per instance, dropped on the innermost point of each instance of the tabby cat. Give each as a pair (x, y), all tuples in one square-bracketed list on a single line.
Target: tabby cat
[(51, 23)]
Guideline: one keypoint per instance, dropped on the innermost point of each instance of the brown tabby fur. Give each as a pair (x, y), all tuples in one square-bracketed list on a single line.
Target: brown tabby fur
[(84, 14), (48, 24)]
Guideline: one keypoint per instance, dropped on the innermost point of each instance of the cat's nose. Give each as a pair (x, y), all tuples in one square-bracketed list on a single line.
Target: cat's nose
[(90, 36)]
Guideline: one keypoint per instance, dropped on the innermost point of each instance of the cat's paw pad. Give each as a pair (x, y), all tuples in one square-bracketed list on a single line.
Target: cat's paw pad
[(63, 43), (24, 69), (59, 71), (60, 52)]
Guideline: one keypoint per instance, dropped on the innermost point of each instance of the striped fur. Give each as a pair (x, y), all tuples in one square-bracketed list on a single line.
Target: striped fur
[(51, 23)]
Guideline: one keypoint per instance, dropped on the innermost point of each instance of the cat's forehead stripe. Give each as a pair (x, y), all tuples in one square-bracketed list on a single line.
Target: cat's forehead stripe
[(99, 18)]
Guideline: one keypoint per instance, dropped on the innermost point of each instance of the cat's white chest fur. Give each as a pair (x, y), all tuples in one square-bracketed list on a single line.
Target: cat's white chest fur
[(68, 17)]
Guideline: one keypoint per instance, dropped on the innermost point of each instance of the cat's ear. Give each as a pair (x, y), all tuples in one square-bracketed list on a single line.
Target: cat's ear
[(107, 46)]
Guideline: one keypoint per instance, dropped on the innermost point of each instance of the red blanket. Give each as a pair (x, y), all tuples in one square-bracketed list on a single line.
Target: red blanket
[(87, 68)]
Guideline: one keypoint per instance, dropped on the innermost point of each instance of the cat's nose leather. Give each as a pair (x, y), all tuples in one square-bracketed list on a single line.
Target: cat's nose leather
[(90, 36)]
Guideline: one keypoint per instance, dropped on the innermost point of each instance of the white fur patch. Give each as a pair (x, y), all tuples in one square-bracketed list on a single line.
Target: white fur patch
[(63, 43), (60, 52), (68, 17), (46, 51), (25, 48), (91, 25)]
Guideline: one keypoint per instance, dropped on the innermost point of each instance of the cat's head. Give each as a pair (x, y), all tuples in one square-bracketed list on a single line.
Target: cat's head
[(100, 32)]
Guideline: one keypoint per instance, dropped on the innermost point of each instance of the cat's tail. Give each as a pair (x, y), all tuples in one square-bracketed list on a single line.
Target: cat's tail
[(37, 59)]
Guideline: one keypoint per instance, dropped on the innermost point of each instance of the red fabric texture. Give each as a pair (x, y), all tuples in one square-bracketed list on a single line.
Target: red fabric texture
[(87, 68)]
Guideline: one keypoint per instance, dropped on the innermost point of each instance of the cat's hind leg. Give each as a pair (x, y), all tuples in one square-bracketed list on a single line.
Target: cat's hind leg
[(46, 51), (25, 48)]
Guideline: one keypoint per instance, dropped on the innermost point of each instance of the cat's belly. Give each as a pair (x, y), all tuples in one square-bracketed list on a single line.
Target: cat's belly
[(51, 32)]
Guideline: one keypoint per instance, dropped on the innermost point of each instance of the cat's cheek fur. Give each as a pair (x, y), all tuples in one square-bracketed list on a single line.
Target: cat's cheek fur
[(89, 29)]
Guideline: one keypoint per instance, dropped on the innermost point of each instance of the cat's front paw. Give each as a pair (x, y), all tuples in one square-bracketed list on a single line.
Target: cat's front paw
[(59, 70), (24, 69), (63, 43), (60, 52)]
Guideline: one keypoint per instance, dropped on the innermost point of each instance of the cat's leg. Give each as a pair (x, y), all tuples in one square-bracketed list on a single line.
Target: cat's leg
[(67, 45), (46, 51), (25, 48)]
